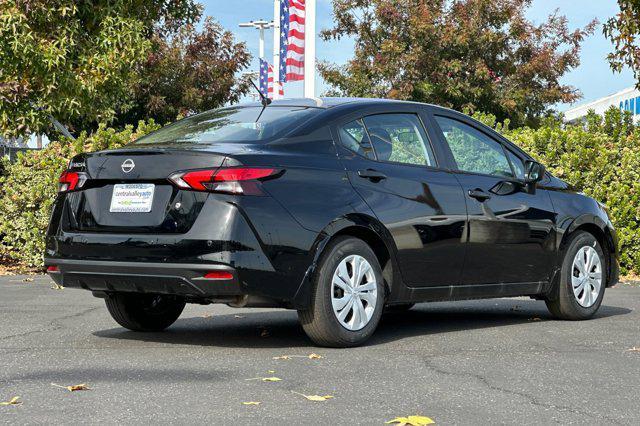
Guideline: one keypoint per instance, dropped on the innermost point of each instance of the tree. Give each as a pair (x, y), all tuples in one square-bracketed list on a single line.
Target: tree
[(76, 60), (624, 32), (465, 54), (189, 72)]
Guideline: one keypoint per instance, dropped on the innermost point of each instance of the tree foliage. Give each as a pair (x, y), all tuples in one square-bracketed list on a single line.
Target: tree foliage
[(189, 72), (479, 55), (624, 32), (76, 60)]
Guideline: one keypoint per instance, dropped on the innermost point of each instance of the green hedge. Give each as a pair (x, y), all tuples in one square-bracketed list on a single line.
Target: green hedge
[(28, 189), (600, 157)]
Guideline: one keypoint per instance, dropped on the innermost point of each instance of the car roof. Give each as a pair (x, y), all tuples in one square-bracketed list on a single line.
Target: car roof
[(328, 102)]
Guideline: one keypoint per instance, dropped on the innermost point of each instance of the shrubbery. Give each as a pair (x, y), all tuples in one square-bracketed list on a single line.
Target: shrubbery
[(28, 189), (600, 157)]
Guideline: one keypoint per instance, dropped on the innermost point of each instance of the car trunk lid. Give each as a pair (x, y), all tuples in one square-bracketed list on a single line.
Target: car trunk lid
[(118, 179)]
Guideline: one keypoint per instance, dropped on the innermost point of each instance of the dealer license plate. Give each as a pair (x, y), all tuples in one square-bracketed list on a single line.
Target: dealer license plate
[(132, 198)]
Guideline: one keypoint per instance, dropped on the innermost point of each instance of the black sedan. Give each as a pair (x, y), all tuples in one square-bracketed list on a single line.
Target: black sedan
[(339, 208)]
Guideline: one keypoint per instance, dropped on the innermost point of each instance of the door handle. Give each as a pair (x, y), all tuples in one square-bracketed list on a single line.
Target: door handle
[(372, 175), (479, 194)]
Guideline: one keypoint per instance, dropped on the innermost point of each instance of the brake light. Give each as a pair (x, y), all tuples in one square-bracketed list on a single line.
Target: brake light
[(68, 181), (235, 180), (52, 268)]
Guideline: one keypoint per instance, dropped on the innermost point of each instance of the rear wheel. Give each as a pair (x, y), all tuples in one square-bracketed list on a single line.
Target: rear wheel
[(347, 295), (580, 290), (144, 312)]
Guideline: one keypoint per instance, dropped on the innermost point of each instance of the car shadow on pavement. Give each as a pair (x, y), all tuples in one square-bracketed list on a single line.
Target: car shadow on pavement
[(280, 329)]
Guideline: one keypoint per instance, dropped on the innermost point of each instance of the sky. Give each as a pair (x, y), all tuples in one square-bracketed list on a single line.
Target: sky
[(593, 77)]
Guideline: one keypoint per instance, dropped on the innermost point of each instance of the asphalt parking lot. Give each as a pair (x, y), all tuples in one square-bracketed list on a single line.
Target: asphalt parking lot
[(501, 361)]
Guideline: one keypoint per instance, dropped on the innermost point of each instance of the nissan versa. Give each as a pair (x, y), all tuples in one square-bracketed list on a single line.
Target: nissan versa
[(338, 208)]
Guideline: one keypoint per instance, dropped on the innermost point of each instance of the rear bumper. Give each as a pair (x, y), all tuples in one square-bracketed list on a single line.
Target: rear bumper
[(142, 277)]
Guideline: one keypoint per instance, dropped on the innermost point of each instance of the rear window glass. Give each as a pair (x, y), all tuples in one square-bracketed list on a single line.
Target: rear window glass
[(229, 125)]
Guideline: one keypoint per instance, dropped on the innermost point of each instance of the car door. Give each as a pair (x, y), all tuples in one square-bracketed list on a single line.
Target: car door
[(510, 229), (391, 164)]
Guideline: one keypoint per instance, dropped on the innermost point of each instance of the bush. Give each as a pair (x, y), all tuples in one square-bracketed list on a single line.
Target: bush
[(600, 157), (29, 186)]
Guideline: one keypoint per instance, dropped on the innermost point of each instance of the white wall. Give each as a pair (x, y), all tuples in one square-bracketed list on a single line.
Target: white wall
[(627, 99)]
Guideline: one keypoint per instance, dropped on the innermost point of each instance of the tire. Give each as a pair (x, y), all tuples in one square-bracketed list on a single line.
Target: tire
[(144, 312), (404, 307), (319, 321), (562, 302)]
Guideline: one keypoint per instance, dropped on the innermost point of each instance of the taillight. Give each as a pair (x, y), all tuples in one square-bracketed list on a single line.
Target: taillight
[(71, 180), (235, 180)]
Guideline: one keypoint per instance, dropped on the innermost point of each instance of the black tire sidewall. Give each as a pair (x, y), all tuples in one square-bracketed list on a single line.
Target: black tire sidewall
[(567, 297), (129, 311), (340, 250)]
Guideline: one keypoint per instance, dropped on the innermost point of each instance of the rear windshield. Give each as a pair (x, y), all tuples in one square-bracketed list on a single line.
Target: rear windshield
[(229, 125)]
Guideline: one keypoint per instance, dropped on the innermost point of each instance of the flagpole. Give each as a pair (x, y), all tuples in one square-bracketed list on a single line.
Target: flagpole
[(276, 49), (310, 49)]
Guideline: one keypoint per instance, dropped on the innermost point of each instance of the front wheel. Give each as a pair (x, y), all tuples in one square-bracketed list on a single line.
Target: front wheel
[(144, 312), (580, 289), (347, 295)]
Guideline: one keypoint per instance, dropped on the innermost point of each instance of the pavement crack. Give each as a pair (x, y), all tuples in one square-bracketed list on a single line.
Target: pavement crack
[(51, 326), (532, 399)]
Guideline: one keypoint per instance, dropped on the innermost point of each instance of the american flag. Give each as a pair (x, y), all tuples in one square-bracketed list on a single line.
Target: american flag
[(292, 13), (266, 79)]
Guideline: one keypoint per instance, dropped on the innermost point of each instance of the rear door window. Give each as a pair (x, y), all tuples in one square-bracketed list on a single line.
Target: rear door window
[(399, 138)]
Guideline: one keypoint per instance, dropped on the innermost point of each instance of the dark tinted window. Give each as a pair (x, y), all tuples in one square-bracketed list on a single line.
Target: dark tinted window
[(229, 125), (399, 138), (472, 150), (354, 137)]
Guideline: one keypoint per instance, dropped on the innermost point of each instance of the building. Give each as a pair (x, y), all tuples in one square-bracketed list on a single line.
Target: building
[(626, 100)]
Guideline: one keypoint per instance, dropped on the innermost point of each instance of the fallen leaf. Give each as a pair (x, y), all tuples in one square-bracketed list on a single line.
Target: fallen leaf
[(535, 319), (56, 287), (264, 333), (317, 397), (634, 349), (412, 421), (282, 357), (72, 388), (27, 280), (207, 315), (271, 371), (14, 401), (252, 403), (314, 356), (267, 379)]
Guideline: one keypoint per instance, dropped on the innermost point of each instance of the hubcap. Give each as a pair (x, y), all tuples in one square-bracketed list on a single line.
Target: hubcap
[(586, 276), (354, 292)]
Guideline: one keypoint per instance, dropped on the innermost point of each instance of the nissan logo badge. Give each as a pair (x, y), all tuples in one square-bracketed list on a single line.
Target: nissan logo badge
[(128, 165)]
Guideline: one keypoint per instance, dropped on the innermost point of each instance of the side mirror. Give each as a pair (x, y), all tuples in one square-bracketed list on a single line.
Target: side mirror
[(534, 171)]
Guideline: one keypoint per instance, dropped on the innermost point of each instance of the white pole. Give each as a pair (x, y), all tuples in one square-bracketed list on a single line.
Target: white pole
[(276, 49), (310, 49), (261, 50)]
